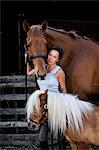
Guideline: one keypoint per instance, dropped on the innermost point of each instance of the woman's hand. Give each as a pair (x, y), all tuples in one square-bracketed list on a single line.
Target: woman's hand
[(25, 58), (30, 72)]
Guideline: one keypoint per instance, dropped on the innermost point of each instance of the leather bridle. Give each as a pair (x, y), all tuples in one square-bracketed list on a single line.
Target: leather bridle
[(44, 117), (33, 55)]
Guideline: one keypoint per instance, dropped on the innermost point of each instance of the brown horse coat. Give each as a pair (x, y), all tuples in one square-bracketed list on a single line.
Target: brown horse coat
[(80, 61), (82, 139)]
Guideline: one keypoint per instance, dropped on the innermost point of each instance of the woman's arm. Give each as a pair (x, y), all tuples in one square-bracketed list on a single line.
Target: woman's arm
[(30, 71), (61, 79)]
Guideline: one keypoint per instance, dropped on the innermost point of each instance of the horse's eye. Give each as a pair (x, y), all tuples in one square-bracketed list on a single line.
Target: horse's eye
[(28, 44), (45, 106), (46, 45)]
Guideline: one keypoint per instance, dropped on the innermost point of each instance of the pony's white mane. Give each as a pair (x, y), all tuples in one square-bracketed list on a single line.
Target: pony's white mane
[(67, 111), (33, 103), (64, 110)]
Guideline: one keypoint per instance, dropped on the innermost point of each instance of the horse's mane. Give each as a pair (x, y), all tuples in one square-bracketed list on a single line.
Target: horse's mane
[(67, 112), (73, 34), (62, 113), (33, 103)]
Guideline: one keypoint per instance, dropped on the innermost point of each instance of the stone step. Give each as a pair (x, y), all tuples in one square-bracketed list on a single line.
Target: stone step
[(13, 97), (30, 84), (19, 139), (14, 124), (16, 78), (11, 111), (15, 127), (17, 81)]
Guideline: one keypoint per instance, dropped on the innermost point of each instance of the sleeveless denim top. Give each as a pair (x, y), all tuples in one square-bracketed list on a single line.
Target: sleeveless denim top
[(51, 82)]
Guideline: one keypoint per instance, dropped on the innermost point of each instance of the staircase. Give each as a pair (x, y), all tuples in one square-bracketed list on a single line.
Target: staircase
[(14, 92), (14, 131)]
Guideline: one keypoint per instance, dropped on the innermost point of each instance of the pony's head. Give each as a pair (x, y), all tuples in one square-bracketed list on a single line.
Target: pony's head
[(37, 110), (63, 112), (36, 45)]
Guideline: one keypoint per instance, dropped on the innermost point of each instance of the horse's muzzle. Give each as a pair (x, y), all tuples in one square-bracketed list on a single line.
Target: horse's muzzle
[(42, 77), (41, 73), (32, 126)]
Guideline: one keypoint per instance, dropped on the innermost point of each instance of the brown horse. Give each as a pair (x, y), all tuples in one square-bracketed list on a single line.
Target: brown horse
[(80, 61), (76, 119)]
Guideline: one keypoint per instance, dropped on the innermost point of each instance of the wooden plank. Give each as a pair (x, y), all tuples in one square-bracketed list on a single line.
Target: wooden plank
[(11, 111), (13, 97)]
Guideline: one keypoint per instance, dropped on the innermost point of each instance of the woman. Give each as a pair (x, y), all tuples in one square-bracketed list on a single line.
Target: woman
[(54, 81), (55, 76)]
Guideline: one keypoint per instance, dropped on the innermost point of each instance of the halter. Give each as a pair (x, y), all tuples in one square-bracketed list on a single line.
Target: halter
[(33, 55), (37, 56), (45, 114), (44, 117)]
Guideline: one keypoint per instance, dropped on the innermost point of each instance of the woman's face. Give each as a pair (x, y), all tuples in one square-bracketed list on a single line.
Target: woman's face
[(53, 57)]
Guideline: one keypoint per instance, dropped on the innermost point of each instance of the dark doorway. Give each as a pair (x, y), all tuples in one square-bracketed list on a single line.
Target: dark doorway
[(81, 16)]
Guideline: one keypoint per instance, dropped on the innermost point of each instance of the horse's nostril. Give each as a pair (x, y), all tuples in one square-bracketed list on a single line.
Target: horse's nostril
[(42, 77), (31, 126)]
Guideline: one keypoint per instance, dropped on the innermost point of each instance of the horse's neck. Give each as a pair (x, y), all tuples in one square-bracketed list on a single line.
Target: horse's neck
[(61, 39)]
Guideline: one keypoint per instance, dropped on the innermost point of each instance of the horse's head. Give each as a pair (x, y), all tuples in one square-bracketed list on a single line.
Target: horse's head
[(36, 43), (41, 116)]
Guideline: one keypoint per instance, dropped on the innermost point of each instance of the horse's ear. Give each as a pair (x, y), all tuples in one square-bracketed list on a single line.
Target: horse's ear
[(46, 91), (43, 96), (44, 25), (26, 26)]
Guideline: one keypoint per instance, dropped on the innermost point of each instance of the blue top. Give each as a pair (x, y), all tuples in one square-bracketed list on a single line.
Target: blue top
[(51, 82)]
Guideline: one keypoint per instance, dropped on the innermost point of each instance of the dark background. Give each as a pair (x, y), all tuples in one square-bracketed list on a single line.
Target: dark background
[(82, 16)]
